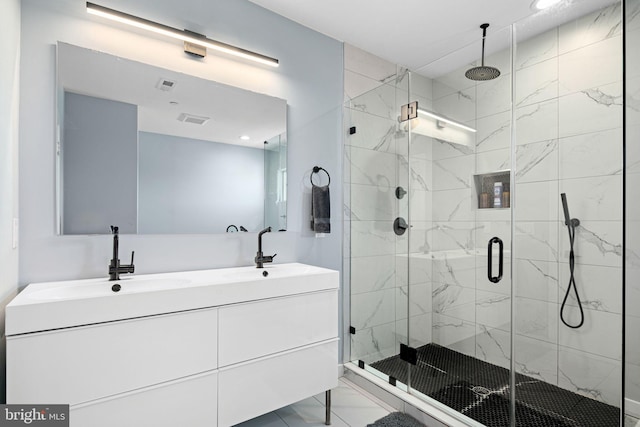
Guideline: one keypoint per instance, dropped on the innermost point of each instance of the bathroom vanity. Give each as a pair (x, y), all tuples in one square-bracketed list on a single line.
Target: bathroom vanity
[(200, 348)]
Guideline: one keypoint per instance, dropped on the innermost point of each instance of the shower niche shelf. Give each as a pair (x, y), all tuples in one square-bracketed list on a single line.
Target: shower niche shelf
[(485, 184)]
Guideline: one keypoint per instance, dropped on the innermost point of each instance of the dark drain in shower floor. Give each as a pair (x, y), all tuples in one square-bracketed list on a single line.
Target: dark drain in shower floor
[(480, 390)]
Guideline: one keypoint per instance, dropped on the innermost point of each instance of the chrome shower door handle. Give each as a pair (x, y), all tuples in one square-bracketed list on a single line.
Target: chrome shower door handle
[(492, 278)]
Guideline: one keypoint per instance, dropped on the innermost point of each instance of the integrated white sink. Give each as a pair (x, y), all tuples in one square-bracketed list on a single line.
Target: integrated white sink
[(105, 288), (53, 305)]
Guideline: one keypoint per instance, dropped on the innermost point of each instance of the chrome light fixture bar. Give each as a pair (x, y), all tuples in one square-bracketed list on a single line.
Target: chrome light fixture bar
[(175, 33), (445, 120)]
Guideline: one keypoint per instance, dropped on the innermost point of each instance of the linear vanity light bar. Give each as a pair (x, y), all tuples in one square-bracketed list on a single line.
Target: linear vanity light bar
[(175, 33), (445, 120)]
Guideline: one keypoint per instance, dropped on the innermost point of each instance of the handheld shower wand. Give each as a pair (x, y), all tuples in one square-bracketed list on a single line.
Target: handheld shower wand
[(571, 224)]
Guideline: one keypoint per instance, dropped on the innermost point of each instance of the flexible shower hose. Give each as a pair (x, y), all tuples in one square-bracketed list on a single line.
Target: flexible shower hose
[(572, 280)]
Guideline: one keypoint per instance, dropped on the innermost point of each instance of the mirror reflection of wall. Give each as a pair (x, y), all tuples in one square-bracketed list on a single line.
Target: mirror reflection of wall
[(275, 179), (154, 160)]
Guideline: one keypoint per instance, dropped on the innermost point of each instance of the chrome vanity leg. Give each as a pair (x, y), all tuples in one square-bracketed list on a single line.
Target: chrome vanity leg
[(327, 405)]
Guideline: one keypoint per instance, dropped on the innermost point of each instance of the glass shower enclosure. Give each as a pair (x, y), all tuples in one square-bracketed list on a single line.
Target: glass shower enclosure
[(485, 224)]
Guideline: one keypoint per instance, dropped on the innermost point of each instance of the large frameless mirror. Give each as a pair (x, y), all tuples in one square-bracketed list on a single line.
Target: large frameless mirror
[(156, 151)]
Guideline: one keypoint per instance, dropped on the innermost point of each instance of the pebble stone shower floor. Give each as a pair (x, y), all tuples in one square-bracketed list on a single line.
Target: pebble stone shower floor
[(480, 391)]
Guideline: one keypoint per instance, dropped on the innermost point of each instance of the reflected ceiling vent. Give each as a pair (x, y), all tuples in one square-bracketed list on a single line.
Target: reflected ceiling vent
[(166, 85), (190, 118)]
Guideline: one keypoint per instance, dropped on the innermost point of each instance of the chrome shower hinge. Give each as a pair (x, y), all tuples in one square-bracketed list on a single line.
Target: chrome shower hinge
[(408, 111)]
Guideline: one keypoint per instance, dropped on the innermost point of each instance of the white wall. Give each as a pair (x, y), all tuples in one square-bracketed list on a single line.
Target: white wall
[(9, 78), (309, 77), (192, 186), (96, 132)]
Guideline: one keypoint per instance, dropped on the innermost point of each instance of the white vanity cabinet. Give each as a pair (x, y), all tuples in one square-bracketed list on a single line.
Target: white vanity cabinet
[(217, 364), (275, 352)]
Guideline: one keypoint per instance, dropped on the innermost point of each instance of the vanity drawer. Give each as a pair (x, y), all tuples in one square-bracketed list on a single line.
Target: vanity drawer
[(81, 364), (251, 330), (254, 388), (186, 402)]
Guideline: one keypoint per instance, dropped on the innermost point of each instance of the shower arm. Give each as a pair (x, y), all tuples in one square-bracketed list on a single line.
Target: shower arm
[(484, 35)]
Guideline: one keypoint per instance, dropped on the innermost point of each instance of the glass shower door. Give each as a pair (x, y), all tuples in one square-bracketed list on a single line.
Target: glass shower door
[(460, 243), (377, 203)]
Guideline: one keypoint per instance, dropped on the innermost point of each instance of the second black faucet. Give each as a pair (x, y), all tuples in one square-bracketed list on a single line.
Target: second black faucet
[(260, 258), (115, 269)]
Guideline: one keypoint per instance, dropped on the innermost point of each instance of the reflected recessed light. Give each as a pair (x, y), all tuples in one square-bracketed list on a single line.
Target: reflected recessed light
[(245, 137), (543, 4)]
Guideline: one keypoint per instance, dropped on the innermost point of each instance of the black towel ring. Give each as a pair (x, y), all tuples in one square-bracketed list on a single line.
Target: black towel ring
[(317, 169)]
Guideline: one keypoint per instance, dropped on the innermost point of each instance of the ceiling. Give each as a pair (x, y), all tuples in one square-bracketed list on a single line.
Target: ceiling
[(414, 33), (89, 72)]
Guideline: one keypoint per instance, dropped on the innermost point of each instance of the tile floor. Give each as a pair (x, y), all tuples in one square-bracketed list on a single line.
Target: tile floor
[(630, 421), (350, 407)]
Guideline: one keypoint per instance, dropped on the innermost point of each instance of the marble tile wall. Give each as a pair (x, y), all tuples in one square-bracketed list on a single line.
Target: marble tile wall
[(568, 139), (568, 108), (632, 130)]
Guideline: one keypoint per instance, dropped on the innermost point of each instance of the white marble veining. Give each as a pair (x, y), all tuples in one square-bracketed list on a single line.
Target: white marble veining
[(367, 64), (421, 206), (373, 308), (494, 160), (493, 310), (597, 243), (537, 49), (595, 199), (591, 110), (455, 301), (493, 132), (537, 241), (454, 205), (413, 300), (459, 106), (372, 203), (493, 346), (380, 102), (589, 375), (417, 266), (528, 121), (600, 288), (537, 359), (591, 154), (600, 334), (450, 174), (374, 344), (537, 161), (590, 29), (537, 319), (369, 238), (536, 279), (452, 332), (577, 71), (372, 273), (420, 241), (493, 96), (456, 235), (372, 132), (537, 83), (371, 167), (540, 198)]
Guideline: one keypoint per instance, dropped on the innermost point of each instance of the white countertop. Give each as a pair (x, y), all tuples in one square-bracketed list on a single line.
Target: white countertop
[(54, 305)]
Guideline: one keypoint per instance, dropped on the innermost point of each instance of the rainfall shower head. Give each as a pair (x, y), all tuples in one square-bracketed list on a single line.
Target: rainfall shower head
[(483, 72)]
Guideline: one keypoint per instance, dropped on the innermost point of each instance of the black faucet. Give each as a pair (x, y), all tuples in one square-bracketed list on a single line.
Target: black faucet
[(261, 259), (115, 268)]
